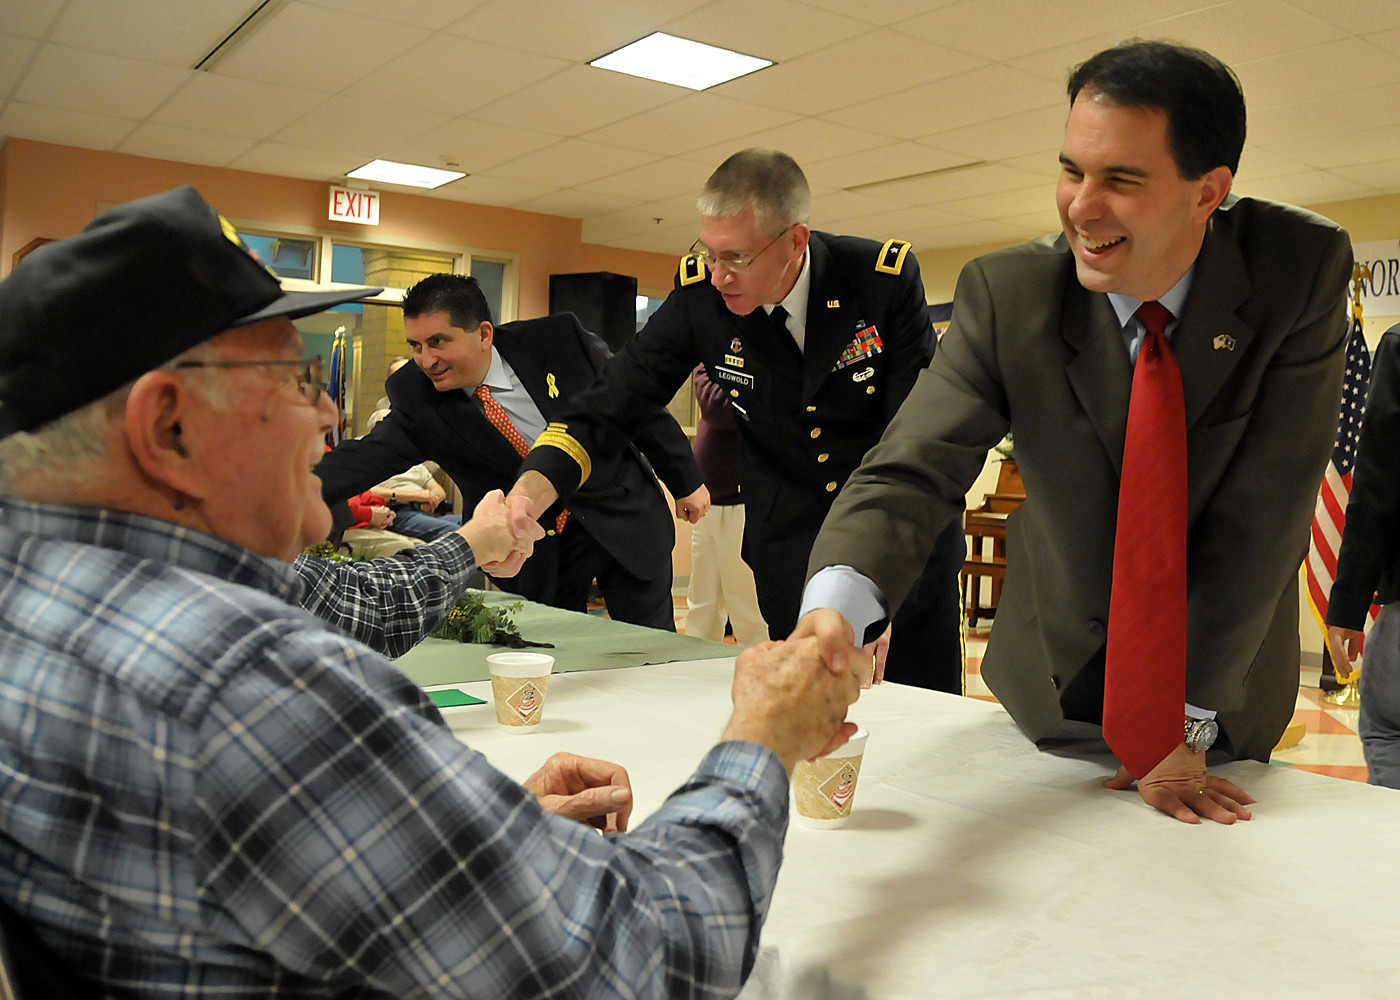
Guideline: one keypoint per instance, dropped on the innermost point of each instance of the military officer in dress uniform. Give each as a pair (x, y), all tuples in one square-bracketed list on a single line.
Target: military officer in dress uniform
[(817, 339)]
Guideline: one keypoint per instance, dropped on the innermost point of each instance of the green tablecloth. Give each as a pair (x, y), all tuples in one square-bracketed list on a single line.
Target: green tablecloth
[(581, 642)]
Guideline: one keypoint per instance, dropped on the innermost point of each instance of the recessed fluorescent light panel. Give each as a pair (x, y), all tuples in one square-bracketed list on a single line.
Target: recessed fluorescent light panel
[(669, 59), (407, 174)]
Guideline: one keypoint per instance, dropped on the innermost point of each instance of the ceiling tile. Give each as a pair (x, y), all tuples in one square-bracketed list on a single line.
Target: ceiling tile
[(786, 30), (1388, 40), (64, 77), (966, 234), (981, 95), (1003, 204), (283, 160), (1002, 30), (472, 144), (1257, 163), (900, 159), (989, 179), (230, 106), (453, 75), (829, 208), (672, 214), (878, 11), (29, 18), (432, 14), (1039, 131), (579, 100), (317, 48), (167, 142), (14, 58), (168, 34), (572, 162), (577, 30), (1326, 152), (480, 189), (1304, 189), (666, 178), (856, 70), (1382, 177), (807, 140), (66, 128), (1360, 17), (1333, 67), (672, 242), (900, 222), (355, 125), (693, 122), (1247, 29), (573, 204), (1328, 115)]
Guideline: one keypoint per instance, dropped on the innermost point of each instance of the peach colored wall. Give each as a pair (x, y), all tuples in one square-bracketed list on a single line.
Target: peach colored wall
[(52, 190)]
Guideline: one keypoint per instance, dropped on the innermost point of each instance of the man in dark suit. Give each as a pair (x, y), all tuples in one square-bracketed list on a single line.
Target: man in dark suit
[(817, 339), (617, 528), (1043, 340)]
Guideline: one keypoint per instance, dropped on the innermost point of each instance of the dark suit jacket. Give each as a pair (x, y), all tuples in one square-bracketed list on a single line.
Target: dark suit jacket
[(1368, 564), (1261, 345), (805, 419), (620, 505)]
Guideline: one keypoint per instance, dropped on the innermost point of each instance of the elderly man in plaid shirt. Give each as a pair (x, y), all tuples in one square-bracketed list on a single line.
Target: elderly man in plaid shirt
[(205, 790)]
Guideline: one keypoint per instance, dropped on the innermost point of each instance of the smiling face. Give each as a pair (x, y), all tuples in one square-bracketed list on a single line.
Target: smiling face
[(451, 357), (256, 452), (772, 272), (1134, 224)]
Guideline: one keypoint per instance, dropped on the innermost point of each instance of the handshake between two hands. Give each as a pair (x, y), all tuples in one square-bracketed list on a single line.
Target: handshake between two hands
[(502, 533)]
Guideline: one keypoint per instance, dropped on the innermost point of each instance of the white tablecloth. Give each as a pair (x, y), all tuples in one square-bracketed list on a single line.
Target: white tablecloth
[(975, 866)]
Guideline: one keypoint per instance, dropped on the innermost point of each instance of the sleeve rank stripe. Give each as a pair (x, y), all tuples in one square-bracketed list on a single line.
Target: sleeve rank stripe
[(556, 436)]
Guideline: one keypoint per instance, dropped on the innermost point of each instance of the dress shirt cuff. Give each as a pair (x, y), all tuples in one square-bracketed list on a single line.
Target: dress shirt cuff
[(851, 593), (1196, 712)]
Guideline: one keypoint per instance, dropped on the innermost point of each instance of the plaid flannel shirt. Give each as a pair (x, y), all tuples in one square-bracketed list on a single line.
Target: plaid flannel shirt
[(205, 791)]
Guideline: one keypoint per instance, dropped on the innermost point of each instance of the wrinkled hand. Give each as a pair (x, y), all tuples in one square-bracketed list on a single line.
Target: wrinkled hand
[(430, 502), (1181, 788), (837, 642), (878, 650), (787, 699), (380, 517), (1345, 645), (695, 506), (595, 792), (491, 534)]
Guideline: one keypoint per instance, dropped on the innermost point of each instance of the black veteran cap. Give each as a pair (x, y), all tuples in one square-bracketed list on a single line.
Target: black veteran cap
[(138, 286)]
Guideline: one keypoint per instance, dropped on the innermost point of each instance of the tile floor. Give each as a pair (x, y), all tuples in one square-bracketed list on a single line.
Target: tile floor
[(1329, 744)]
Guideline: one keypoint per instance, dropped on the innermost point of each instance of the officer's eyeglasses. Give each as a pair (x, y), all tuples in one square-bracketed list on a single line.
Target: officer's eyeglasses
[(731, 261)]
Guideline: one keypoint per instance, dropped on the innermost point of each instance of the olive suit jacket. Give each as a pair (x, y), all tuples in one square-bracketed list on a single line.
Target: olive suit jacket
[(1261, 344), (554, 358)]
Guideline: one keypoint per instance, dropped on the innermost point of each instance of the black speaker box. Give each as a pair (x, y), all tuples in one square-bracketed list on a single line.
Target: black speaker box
[(604, 302)]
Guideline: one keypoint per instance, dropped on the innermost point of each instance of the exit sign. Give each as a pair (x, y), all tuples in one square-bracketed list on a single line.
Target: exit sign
[(355, 206)]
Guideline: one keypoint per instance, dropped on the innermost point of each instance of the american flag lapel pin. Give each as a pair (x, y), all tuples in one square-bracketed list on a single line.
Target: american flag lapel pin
[(1224, 342)]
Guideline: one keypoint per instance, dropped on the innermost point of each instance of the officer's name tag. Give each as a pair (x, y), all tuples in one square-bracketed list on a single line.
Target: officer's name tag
[(737, 378)]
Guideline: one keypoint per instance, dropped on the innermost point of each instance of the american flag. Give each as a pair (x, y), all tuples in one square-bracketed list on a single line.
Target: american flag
[(1330, 516), (335, 387)]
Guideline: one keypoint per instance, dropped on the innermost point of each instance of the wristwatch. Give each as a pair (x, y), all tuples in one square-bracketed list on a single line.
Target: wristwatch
[(1201, 734)]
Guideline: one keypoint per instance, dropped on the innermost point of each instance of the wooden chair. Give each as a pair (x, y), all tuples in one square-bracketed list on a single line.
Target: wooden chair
[(986, 558)]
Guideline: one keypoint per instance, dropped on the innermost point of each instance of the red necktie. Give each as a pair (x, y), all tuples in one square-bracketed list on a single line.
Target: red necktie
[(500, 420), (1145, 671)]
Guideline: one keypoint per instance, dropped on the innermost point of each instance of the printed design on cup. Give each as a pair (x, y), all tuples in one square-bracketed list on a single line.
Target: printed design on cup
[(840, 788), (525, 701)]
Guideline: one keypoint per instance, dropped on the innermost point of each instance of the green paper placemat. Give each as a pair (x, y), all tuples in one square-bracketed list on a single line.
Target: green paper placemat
[(581, 642)]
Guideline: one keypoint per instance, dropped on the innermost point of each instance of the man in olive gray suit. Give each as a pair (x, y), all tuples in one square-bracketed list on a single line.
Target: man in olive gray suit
[(1037, 344)]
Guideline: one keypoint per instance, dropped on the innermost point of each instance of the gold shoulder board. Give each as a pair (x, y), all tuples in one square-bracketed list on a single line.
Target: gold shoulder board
[(692, 269), (892, 254)]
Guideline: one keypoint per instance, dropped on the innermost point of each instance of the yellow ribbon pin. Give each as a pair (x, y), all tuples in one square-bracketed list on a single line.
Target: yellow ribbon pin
[(553, 389)]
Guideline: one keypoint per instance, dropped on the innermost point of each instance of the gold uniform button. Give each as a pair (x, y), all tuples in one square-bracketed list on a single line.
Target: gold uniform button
[(734, 393), (551, 531), (870, 390), (831, 487), (811, 409), (823, 456), (816, 432)]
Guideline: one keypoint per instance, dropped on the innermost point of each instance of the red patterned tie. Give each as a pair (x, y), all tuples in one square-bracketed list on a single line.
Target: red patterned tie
[(1145, 671), (501, 421)]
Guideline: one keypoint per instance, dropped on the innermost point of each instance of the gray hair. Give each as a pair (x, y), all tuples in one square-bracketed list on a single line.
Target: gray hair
[(66, 449), (765, 180)]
